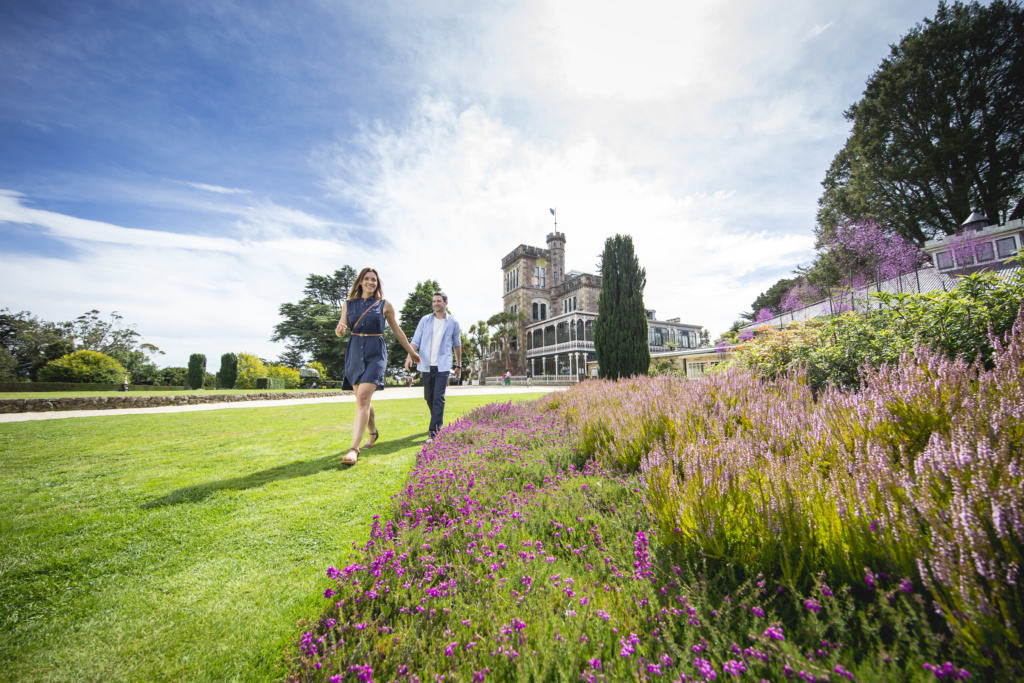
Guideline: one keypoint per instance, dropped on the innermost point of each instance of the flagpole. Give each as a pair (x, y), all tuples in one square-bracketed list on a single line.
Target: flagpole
[(554, 212)]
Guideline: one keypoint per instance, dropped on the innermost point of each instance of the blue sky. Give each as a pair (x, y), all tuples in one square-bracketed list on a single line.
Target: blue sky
[(187, 164)]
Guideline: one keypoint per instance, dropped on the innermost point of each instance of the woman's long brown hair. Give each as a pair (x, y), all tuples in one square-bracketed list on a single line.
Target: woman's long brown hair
[(357, 286)]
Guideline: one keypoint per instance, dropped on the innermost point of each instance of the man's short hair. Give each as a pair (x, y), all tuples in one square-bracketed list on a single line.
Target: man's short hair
[(442, 295)]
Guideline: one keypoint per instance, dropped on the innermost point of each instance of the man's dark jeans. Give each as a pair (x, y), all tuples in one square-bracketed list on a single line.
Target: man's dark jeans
[(434, 385)]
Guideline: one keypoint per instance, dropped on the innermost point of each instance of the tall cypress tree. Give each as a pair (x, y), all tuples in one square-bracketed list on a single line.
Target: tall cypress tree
[(620, 331), (196, 371)]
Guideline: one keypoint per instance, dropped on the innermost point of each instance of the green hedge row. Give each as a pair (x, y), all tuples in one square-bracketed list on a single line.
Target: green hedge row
[(80, 386)]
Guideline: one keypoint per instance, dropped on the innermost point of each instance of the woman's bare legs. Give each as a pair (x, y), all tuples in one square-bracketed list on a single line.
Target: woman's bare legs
[(364, 392), (371, 429)]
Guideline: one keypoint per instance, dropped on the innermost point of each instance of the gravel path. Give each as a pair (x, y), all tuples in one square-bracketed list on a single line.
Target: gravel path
[(386, 394)]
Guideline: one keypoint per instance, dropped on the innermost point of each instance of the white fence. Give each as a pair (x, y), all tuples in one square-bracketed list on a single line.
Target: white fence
[(539, 380), (916, 281)]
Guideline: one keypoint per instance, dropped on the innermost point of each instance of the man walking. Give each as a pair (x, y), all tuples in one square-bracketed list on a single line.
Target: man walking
[(435, 338)]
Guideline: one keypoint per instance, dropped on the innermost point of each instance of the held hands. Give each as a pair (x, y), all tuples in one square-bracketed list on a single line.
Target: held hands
[(341, 329), (413, 357)]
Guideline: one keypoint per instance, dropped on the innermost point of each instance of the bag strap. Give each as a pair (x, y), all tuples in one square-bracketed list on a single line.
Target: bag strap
[(360, 318)]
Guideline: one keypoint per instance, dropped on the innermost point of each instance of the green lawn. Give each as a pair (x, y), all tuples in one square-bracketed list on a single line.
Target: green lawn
[(184, 546)]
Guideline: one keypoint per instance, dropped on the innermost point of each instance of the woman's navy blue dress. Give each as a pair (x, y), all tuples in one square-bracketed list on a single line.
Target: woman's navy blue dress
[(366, 357)]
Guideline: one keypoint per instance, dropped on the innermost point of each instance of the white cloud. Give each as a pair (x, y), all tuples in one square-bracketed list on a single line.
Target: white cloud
[(819, 29), (457, 189), (185, 293), (216, 189)]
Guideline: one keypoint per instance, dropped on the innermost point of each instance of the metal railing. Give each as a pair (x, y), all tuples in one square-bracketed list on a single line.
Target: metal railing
[(537, 380)]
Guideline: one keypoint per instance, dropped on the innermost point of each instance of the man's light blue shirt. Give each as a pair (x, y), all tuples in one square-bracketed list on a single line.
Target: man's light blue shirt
[(423, 338)]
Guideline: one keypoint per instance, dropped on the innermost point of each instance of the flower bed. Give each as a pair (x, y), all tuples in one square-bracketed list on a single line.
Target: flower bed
[(661, 529)]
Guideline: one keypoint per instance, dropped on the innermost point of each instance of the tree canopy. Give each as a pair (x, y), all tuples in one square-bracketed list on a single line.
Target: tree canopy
[(308, 324), (939, 129), (620, 331), (32, 343)]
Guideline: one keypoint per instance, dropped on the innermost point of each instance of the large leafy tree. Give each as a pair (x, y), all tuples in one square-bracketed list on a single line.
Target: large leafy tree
[(32, 342), (309, 323), (121, 342), (620, 331), (503, 337), (416, 305), (475, 346), (940, 128)]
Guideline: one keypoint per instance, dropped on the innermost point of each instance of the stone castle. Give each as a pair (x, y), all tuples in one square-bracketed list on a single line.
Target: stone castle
[(557, 335)]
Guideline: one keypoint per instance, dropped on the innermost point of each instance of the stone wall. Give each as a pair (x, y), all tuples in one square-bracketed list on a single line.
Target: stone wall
[(32, 405)]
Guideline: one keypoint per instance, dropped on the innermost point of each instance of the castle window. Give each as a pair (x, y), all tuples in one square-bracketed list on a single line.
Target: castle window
[(985, 251), (540, 277), (540, 311), (1006, 247), (944, 260)]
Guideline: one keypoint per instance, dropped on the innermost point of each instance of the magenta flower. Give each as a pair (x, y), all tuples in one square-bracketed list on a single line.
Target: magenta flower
[(734, 667)]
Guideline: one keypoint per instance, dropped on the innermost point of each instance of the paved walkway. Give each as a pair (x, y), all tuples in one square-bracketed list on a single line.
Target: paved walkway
[(387, 394)]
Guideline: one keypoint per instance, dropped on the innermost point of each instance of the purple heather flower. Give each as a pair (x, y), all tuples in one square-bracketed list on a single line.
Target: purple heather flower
[(775, 633), (705, 668), (734, 667), (841, 670), (812, 605), (757, 611)]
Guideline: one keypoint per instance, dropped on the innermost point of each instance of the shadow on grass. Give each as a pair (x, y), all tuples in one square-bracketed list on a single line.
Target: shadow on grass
[(303, 468)]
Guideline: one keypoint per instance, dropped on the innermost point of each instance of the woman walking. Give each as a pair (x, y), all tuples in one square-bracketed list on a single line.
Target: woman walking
[(364, 313)]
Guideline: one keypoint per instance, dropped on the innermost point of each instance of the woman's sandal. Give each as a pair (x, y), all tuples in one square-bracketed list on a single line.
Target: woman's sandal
[(376, 436), (350, 457)]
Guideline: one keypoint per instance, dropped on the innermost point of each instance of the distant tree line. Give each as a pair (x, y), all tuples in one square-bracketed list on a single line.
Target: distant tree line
[(28, 344)]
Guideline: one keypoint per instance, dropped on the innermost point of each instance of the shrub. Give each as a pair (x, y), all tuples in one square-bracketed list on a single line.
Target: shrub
[(287, 377), (228, 374), (173, 376), (83, 366), (250, 369), (270, 383), (196, 371), (960, 322)]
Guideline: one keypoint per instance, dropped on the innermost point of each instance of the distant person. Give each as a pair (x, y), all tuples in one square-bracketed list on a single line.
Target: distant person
[(529, 377), (436, 336), (364, 313)]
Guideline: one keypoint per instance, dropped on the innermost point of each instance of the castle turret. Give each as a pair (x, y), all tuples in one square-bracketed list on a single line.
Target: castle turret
[(556, 246)]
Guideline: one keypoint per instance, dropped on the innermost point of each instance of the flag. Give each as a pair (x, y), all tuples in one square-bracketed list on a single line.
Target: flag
[(552, 211)]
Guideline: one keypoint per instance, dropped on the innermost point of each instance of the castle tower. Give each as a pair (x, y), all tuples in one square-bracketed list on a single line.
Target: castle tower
[(556, 247)]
